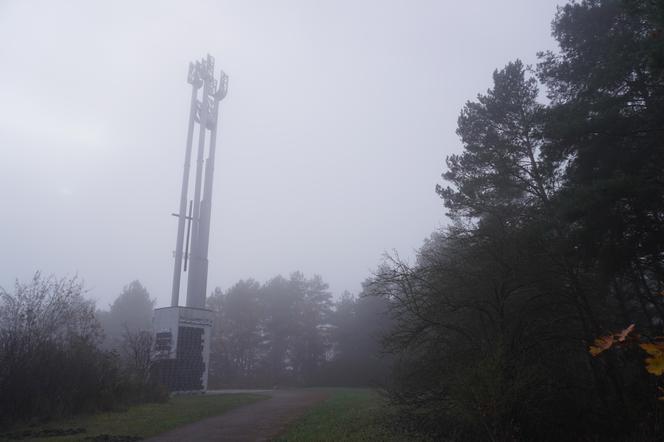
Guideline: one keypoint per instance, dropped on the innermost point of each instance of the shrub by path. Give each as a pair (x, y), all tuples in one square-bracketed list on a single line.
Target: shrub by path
[(137, 422)]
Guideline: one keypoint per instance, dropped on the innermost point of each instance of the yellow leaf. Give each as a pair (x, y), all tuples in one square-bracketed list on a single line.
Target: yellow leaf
[(595, 350), (601, 344), (655, 365), (656, 349)]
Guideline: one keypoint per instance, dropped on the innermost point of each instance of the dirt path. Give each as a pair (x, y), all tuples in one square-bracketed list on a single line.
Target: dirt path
[(259, 421)]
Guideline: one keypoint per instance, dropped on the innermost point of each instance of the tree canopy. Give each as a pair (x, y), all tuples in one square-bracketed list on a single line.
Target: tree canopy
[(558, 211)]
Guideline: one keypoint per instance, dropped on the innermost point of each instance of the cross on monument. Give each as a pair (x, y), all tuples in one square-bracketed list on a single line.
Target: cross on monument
[(183, 333)]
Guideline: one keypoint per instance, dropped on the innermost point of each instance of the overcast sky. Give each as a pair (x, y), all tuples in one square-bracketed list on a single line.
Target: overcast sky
[(333, 134)]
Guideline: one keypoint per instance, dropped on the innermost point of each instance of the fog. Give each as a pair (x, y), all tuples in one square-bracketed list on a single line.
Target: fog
[(332, 137)]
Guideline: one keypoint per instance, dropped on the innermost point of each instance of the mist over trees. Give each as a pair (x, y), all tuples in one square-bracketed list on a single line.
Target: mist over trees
[(359, 324), (60, 356), (557, 237), (289, 332), (130, 313)]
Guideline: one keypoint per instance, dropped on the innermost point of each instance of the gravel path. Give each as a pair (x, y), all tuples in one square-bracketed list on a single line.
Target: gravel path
[(260, 421)]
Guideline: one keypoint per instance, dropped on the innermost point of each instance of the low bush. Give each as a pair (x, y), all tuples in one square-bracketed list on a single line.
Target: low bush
[(51, 364)]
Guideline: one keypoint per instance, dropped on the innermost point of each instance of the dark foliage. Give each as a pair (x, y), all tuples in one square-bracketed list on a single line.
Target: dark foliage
[(50, 361), (557, 238)]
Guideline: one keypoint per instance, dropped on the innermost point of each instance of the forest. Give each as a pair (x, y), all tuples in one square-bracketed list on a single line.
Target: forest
[(535, 314), (283, 333), (555, 248)]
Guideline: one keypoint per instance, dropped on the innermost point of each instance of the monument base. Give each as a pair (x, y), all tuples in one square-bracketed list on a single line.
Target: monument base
[(182, 348)]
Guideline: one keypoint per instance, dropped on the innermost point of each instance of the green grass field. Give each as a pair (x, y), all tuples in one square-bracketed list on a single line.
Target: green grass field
[(147, 419), (347, 415)]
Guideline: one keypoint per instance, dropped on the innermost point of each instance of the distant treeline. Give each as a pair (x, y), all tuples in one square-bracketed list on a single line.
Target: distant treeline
[(557, 238), (60, 356), (285, 332), (290, 332)]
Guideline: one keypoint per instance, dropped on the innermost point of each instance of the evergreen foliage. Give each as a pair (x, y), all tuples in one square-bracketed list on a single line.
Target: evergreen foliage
[(557, 238)]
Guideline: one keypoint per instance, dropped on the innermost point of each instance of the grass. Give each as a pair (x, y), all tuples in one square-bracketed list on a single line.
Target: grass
[(147, 419), (346, 415)]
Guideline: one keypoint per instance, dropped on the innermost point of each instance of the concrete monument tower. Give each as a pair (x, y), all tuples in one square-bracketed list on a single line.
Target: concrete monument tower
[(183, 333)]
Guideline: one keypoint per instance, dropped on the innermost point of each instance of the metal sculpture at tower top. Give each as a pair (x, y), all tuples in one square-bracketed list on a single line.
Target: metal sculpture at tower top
[(183, 334), (205, 112)]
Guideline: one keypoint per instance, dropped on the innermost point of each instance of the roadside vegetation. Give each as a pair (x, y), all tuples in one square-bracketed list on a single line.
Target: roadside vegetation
[(52, 360), (556, 242), (346, 415), (61, 356), (135, 423)]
